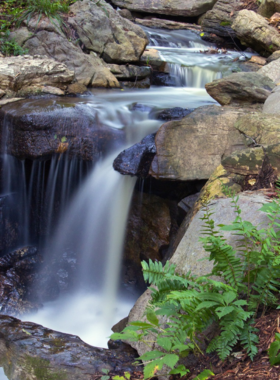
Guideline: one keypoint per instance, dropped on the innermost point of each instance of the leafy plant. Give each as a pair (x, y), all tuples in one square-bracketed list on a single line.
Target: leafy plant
[(249, 283), (49, 8), (274, 351), (106, 372), (9, 46), (126, 376)]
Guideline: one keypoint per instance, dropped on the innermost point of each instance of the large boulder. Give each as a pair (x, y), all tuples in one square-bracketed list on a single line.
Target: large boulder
[(102, 30), (269, 7), (43, 127), (137, 159), (190, 254), (188, 8), (147, 234), (30, 351), (241, 89), (254, 31), (89, 69), (272, 103), (272, 71), (192, 147), (27, 74), (219, 19)]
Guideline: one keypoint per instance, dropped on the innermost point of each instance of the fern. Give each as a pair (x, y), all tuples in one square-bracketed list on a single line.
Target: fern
[(249, 281)]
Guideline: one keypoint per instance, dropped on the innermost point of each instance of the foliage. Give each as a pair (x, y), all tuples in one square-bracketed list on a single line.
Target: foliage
[(274, 351), (8, 46), (49, 8), (249, 284), (105, 376)]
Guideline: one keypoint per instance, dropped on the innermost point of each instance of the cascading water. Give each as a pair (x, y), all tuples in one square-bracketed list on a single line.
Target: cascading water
[(93, 224)]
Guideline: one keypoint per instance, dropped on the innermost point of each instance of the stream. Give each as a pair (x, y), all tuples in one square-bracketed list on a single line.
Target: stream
[(92, 217)]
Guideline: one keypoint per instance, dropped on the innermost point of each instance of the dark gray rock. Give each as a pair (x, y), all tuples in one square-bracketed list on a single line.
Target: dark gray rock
[(27, 348), (136, 160), (241, 89)]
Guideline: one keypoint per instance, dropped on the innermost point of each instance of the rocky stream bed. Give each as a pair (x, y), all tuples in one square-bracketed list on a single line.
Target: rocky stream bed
[(115, 129)]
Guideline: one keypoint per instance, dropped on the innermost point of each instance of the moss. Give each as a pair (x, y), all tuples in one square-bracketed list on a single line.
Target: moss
[(40, 368), (225, 23)]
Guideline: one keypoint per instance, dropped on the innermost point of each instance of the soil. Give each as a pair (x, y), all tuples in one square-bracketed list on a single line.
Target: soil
[(239, 365)]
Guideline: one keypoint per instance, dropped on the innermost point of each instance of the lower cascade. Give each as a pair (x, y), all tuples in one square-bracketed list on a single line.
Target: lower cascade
[(63, 207)]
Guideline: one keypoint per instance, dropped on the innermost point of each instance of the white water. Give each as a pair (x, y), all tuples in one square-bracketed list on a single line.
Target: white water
[(94, 223)]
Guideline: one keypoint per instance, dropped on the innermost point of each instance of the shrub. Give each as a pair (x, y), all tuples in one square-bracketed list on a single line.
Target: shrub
[(249, 284)]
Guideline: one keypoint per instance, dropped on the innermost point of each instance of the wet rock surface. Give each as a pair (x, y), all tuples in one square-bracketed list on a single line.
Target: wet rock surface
[(136, 160), (218, 20), (30, 351), (254, 30), (183, 153), (147, 235), (241, 89), (175, 8), (26, 74), (102, 30), (176, 113), (38, 128)]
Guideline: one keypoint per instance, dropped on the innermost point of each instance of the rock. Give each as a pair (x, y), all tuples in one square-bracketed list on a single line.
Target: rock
[(21, 35), (147, 234), (248, 161), (191, 8), (269, 7), (257, 59), (190, 254), (137, 159), (176, 113), (162, 79), (27, 74), (125, 13), (89, 69), (272, 71), (151, 57), (254, 31), (15, 269), (190, 251), (241, 89), (187, 203), (43, 127), (5, 101), (192, 147), (143, 83), (76, 88), (271, 105), (218, 20), (102, 30), (2, 93), (129, 71), (273, 56), (166, 24), (9, 229), (26, 348)]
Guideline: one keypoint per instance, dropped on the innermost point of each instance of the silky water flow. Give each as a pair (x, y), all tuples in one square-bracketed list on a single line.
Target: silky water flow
[(93, 218)]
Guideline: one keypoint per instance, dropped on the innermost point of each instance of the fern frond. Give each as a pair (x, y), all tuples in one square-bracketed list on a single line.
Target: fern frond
[(249, 339), (154, 272)]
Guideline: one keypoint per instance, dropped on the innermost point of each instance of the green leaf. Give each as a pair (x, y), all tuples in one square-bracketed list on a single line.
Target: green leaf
[(170, 360), (151, 355), (180, 370), (142, 325), (152, 368), (105, 370), (151, 316), (105, 377), (164, 343), (127, 375), (204, 375), (274, 353), (229, 297), (55, 137), (222, 311), (206, 305), (63, 139)]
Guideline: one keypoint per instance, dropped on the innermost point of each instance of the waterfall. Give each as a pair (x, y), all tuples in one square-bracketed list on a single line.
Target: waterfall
[(192, 76)]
